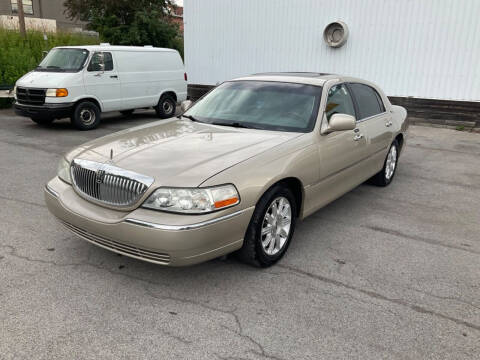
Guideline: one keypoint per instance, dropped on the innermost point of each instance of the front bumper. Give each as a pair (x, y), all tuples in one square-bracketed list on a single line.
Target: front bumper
[(157, 237), (54, 111)]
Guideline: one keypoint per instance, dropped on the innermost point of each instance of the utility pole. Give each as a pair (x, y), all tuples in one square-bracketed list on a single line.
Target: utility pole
[(21, 17)]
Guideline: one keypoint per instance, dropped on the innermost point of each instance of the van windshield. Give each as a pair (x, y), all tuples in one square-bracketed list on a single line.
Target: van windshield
[(63, 60)]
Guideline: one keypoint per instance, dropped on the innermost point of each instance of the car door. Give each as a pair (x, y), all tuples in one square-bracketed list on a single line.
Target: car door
[(376, 121), (341, 152), (103, 84)]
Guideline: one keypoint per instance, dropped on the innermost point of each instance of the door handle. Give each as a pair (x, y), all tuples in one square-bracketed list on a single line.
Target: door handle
[(358, 137), (388, 124), (114, 76)]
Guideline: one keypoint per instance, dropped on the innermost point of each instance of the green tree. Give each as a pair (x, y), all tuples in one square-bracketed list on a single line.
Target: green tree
[(129, 22)]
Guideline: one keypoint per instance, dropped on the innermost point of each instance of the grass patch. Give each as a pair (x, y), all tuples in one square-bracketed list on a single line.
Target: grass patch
[(460, 128)]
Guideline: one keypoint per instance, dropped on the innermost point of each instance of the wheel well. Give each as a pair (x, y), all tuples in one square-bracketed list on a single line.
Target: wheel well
[(399, 139), (91, 100), (171, 94), (296, 186)]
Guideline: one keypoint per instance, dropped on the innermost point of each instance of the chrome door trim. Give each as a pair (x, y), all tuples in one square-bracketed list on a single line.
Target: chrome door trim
[(184, 227)]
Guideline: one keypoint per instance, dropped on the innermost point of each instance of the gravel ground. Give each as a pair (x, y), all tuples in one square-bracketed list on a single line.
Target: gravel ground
[(381, 273)]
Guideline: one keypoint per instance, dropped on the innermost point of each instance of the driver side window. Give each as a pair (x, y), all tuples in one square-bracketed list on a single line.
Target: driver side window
[(339, 101)]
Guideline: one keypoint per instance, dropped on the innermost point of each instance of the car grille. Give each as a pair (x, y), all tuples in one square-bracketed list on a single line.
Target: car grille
[(151, 256), (30, 96), (108, 184)]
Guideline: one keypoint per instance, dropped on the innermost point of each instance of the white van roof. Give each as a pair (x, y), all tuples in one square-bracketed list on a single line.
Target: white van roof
[(108, 47)]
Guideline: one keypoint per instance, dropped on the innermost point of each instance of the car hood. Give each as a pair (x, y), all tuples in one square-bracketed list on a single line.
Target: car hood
[(44, 79), (179, 152)]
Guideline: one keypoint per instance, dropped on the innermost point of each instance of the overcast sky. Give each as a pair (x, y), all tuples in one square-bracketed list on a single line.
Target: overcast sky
[(179, 2)]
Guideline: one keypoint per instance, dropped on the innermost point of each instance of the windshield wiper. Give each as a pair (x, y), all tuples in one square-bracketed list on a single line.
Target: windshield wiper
[(190, 117), (233, 124)]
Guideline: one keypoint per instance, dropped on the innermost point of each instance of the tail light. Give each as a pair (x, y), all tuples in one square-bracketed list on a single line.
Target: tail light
[(185, 76)]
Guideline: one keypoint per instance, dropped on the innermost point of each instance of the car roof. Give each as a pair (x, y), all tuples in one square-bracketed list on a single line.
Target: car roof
[(107, 47), (311, 78)]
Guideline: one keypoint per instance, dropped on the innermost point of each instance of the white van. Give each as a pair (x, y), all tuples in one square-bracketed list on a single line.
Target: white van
[(81, 82)]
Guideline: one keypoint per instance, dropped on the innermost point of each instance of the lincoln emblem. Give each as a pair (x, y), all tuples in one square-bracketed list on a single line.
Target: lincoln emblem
[(100, 176)]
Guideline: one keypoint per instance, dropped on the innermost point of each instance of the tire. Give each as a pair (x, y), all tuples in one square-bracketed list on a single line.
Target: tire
[(41, 120), (385, 176), (127, 112), (166, 107), (257, 250), (86, 116)]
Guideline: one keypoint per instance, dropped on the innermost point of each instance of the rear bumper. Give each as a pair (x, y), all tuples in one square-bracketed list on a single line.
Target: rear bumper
[(160, 238), (54, 111)]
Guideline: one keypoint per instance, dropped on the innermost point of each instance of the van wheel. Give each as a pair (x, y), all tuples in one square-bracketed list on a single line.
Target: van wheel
[(127, 112), (271, 228), (86, 116), (41, 120), (166, 107)]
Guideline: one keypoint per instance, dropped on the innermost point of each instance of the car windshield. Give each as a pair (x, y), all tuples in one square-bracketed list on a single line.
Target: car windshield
[(63, 60), (278, 106)]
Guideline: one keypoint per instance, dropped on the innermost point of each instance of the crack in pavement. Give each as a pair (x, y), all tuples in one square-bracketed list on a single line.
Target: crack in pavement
[(378, 296), (418, 238), (240, 332), (22, 201)]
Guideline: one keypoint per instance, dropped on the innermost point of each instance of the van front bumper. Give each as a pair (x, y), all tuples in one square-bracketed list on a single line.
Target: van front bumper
[(157, 237), (54, 111)]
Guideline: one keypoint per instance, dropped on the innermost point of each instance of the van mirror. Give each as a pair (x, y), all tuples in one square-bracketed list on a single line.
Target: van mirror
[(341, 122), (187, 104)]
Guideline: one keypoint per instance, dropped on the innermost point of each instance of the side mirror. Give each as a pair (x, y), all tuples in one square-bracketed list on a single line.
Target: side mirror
[(101, 67), (187, 104), (341, 122)]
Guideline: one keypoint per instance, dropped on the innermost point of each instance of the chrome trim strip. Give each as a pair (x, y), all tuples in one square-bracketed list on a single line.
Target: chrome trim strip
[(51, 191), (184, 227)]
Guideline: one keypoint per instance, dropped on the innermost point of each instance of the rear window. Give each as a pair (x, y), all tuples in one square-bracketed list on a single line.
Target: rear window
[(368, 100)]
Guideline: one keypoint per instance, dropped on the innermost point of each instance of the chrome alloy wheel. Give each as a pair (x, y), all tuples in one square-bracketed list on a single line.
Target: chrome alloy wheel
[(276, 226), (391, 162), (87, 116)]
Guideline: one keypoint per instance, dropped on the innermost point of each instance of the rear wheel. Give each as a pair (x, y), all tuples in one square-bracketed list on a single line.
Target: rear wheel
[(271, 228), (166, 107), (127, 112), (385, 176), (86, 116), (42, 120)]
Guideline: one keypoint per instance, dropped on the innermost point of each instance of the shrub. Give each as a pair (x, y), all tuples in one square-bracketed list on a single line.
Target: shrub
[(20, 55)]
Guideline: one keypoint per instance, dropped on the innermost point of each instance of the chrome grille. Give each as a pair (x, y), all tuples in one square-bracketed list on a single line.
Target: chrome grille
[(147, 255), (108, 184)]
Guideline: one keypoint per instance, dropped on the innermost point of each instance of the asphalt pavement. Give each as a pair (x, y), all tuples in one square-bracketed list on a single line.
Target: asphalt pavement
[(381, 273)]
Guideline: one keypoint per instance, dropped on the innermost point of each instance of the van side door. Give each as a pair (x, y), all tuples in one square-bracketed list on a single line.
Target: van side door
[(103, 84)]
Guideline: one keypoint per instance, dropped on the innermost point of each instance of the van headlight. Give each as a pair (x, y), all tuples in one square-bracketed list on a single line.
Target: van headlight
[(63, 171), (193, 200), (57, 92)]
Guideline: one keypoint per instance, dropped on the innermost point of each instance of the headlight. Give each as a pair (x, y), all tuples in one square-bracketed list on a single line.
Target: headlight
[(56, 92), (63, 171), (193, 200)]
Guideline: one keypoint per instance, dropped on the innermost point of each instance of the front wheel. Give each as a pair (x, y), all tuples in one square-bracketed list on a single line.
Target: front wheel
[(166, 107), (271, 228), (86, 116), (385, 176)]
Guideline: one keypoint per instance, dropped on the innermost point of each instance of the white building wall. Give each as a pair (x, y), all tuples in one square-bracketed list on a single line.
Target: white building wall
[(420, 48)]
